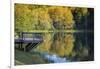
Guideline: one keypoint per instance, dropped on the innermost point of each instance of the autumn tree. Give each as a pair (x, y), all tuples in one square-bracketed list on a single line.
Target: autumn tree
[(62, 17)]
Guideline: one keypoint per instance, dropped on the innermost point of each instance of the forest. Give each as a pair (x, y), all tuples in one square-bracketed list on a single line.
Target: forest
[(67, 31)]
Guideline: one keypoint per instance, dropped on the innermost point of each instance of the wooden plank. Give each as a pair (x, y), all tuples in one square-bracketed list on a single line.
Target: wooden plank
[(28, 40)]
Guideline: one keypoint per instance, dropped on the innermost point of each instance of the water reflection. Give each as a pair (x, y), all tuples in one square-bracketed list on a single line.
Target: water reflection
[(62, 44), (75, 46)]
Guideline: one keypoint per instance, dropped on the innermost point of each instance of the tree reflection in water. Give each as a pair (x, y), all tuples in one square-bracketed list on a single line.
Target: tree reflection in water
[(75, 46)]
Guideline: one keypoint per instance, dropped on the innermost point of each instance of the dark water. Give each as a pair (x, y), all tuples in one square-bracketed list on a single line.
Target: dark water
[(64, 47)]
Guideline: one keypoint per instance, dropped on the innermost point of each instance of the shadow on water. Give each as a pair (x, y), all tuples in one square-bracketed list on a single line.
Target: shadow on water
[(84, 46)]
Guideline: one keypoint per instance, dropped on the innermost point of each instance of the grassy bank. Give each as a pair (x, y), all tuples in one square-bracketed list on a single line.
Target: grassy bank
[(26, 58)]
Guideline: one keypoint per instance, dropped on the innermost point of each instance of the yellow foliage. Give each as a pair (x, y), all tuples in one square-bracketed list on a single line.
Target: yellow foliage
[(69, 44), (84, 11), (62, 15), (33, 17), (45, 46)]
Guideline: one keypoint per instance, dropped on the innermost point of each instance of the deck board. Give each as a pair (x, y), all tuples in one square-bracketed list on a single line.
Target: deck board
[(28, 40)]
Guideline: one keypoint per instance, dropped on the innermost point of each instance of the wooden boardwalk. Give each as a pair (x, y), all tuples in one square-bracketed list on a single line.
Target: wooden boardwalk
[(27, 44)]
